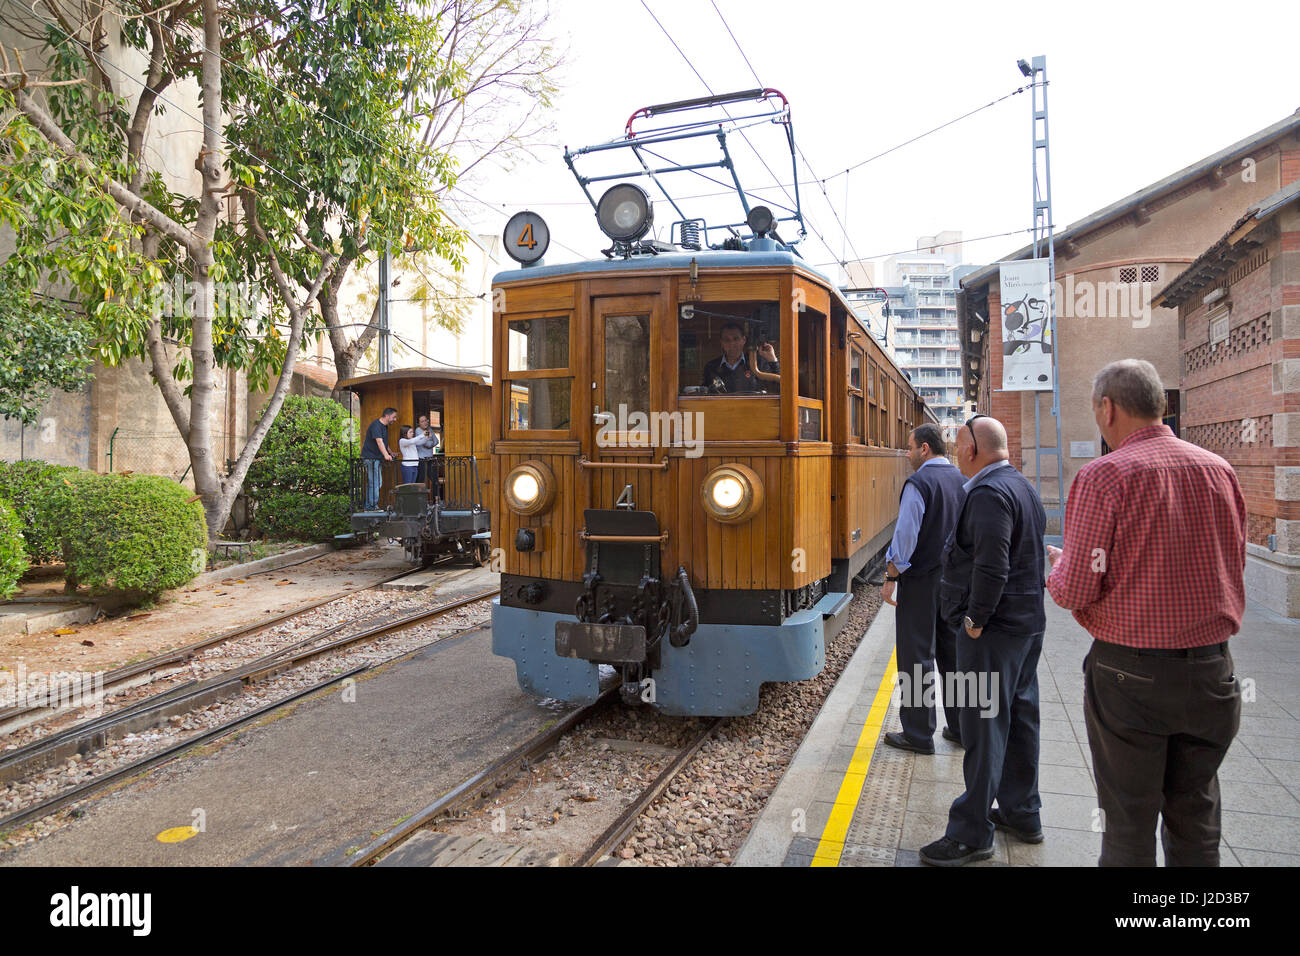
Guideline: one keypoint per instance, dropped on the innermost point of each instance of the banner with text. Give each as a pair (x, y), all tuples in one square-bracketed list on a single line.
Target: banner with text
[(1026, 325)]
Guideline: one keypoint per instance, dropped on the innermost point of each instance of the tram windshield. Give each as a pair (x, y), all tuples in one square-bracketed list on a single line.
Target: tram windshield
[(729, 348)]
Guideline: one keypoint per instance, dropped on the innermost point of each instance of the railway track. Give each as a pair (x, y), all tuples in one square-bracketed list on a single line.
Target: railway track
[(168, 663), (500, 771), (84, 738)]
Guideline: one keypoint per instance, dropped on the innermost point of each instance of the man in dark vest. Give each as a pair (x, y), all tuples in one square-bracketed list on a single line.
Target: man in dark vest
[(927, 512), (992, 588), (729, 374)]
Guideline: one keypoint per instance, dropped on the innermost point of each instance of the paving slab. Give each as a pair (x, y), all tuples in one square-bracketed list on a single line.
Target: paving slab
[(865, 803)]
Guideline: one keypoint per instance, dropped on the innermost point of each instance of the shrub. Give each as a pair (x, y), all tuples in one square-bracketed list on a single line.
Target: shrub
[(295, 516), (30, 486), (306, 450), (13, 556), (139, 534)]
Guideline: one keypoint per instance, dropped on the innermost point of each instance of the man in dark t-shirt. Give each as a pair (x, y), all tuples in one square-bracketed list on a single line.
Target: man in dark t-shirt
[(373, 451)]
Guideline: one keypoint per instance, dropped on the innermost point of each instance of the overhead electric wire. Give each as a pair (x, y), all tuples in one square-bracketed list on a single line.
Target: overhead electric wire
[(821, 183), (727, 113)]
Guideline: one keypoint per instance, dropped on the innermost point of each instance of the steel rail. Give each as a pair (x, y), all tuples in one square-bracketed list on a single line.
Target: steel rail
[(83, 738), (618, 831), (122, 677), (465, 790), (122, 773)]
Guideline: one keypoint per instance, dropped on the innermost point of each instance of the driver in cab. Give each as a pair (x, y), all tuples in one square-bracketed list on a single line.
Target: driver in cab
[(729, 373)]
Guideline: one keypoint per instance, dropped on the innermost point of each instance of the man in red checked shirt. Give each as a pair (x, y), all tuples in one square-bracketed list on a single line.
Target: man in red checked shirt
[(1155, 549)]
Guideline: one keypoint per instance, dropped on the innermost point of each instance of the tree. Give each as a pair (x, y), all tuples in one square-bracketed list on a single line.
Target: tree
[(487, 104), (355, 172), (241, 54)]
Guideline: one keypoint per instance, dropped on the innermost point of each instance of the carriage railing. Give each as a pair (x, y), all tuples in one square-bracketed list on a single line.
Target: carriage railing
[(451, 480)]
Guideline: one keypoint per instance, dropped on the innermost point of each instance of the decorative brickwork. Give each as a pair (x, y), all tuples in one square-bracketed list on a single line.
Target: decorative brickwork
[(1234, 435), (1245, 338)]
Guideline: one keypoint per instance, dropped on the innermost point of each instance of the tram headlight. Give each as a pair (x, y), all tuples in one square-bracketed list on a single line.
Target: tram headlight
[(625, 213), (732, 493), (530, 488)]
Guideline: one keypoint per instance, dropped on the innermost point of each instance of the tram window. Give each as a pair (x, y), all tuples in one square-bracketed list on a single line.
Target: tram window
[(540, 403), (812, 354), (720, 346), (538, 343), (856, 362), (627, 362)]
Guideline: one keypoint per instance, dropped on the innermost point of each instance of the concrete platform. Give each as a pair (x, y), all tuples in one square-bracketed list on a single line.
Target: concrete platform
[(317, 780), (847, 799), (30, 616)]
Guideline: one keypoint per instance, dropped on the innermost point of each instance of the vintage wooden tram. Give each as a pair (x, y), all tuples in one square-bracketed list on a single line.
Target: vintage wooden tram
[(444, 511), (691, 535)]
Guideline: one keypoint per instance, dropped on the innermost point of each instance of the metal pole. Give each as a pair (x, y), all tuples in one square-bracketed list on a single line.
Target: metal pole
[(1044, 234), (385, 346)]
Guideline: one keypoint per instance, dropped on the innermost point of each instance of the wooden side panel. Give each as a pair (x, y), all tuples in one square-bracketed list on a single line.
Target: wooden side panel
[(809, 481), (734, 419), (558, 525)]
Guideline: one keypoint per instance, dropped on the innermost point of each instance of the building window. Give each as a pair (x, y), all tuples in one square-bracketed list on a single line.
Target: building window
[(1130, 274), (1171, 410)]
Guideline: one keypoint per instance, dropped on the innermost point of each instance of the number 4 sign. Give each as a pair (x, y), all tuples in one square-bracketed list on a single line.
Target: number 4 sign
[(526, 237)]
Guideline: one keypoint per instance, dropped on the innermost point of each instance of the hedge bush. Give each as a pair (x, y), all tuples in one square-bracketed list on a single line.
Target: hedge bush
[(13, 556), (306, 451), (30, 486), (299, 479), (287, 515), (138, 534)]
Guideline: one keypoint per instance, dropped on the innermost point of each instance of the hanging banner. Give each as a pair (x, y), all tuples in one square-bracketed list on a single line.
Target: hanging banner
[(1026, 325)]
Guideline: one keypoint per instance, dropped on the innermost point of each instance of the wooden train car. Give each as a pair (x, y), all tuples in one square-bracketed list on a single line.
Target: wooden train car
[(444, 511), (694, 539)]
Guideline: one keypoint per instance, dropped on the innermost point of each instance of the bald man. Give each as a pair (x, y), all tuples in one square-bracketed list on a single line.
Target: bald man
[(991, 593)]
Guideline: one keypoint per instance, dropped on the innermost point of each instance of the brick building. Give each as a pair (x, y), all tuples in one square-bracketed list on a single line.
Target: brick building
[(1109, 266), (1239, 337)]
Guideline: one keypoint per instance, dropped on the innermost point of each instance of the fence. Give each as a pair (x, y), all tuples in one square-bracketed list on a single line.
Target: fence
[(453, 480), (155, 454)]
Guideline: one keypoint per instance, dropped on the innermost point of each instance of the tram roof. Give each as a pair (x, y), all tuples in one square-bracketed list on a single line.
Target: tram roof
[(665, 262), (420, 374)]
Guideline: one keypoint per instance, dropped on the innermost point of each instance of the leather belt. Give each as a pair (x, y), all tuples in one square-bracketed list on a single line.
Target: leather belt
[(1206, 650)]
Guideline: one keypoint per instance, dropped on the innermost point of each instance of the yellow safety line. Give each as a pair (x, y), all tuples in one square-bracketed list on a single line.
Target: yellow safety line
[(831, 845)]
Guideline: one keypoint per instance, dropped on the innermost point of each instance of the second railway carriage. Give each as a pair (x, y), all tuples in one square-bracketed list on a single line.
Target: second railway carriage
[(445, 511), (694, 453)]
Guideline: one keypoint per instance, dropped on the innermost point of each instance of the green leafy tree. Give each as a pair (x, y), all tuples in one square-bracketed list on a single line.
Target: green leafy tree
[(13, 556), (292, 159)]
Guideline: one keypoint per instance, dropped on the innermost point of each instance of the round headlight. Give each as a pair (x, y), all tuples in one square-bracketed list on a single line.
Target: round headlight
[(727, 493), (525, 487), (732, 493), (625, 213), (530, 488), (761, 220)]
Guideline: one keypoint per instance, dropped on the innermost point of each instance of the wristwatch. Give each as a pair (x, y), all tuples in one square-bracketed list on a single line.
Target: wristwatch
[(971, 624), (888, 578)]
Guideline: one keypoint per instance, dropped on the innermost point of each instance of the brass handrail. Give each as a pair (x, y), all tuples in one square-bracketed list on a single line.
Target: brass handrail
[(653, 465), (624, 538)]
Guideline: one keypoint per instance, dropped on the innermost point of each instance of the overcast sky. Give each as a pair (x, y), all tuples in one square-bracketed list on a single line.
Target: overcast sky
[(1137, 91)]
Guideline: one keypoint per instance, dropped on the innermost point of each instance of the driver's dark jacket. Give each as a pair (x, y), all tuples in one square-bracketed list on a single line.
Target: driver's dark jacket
[(993, 561), (740, 379)]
